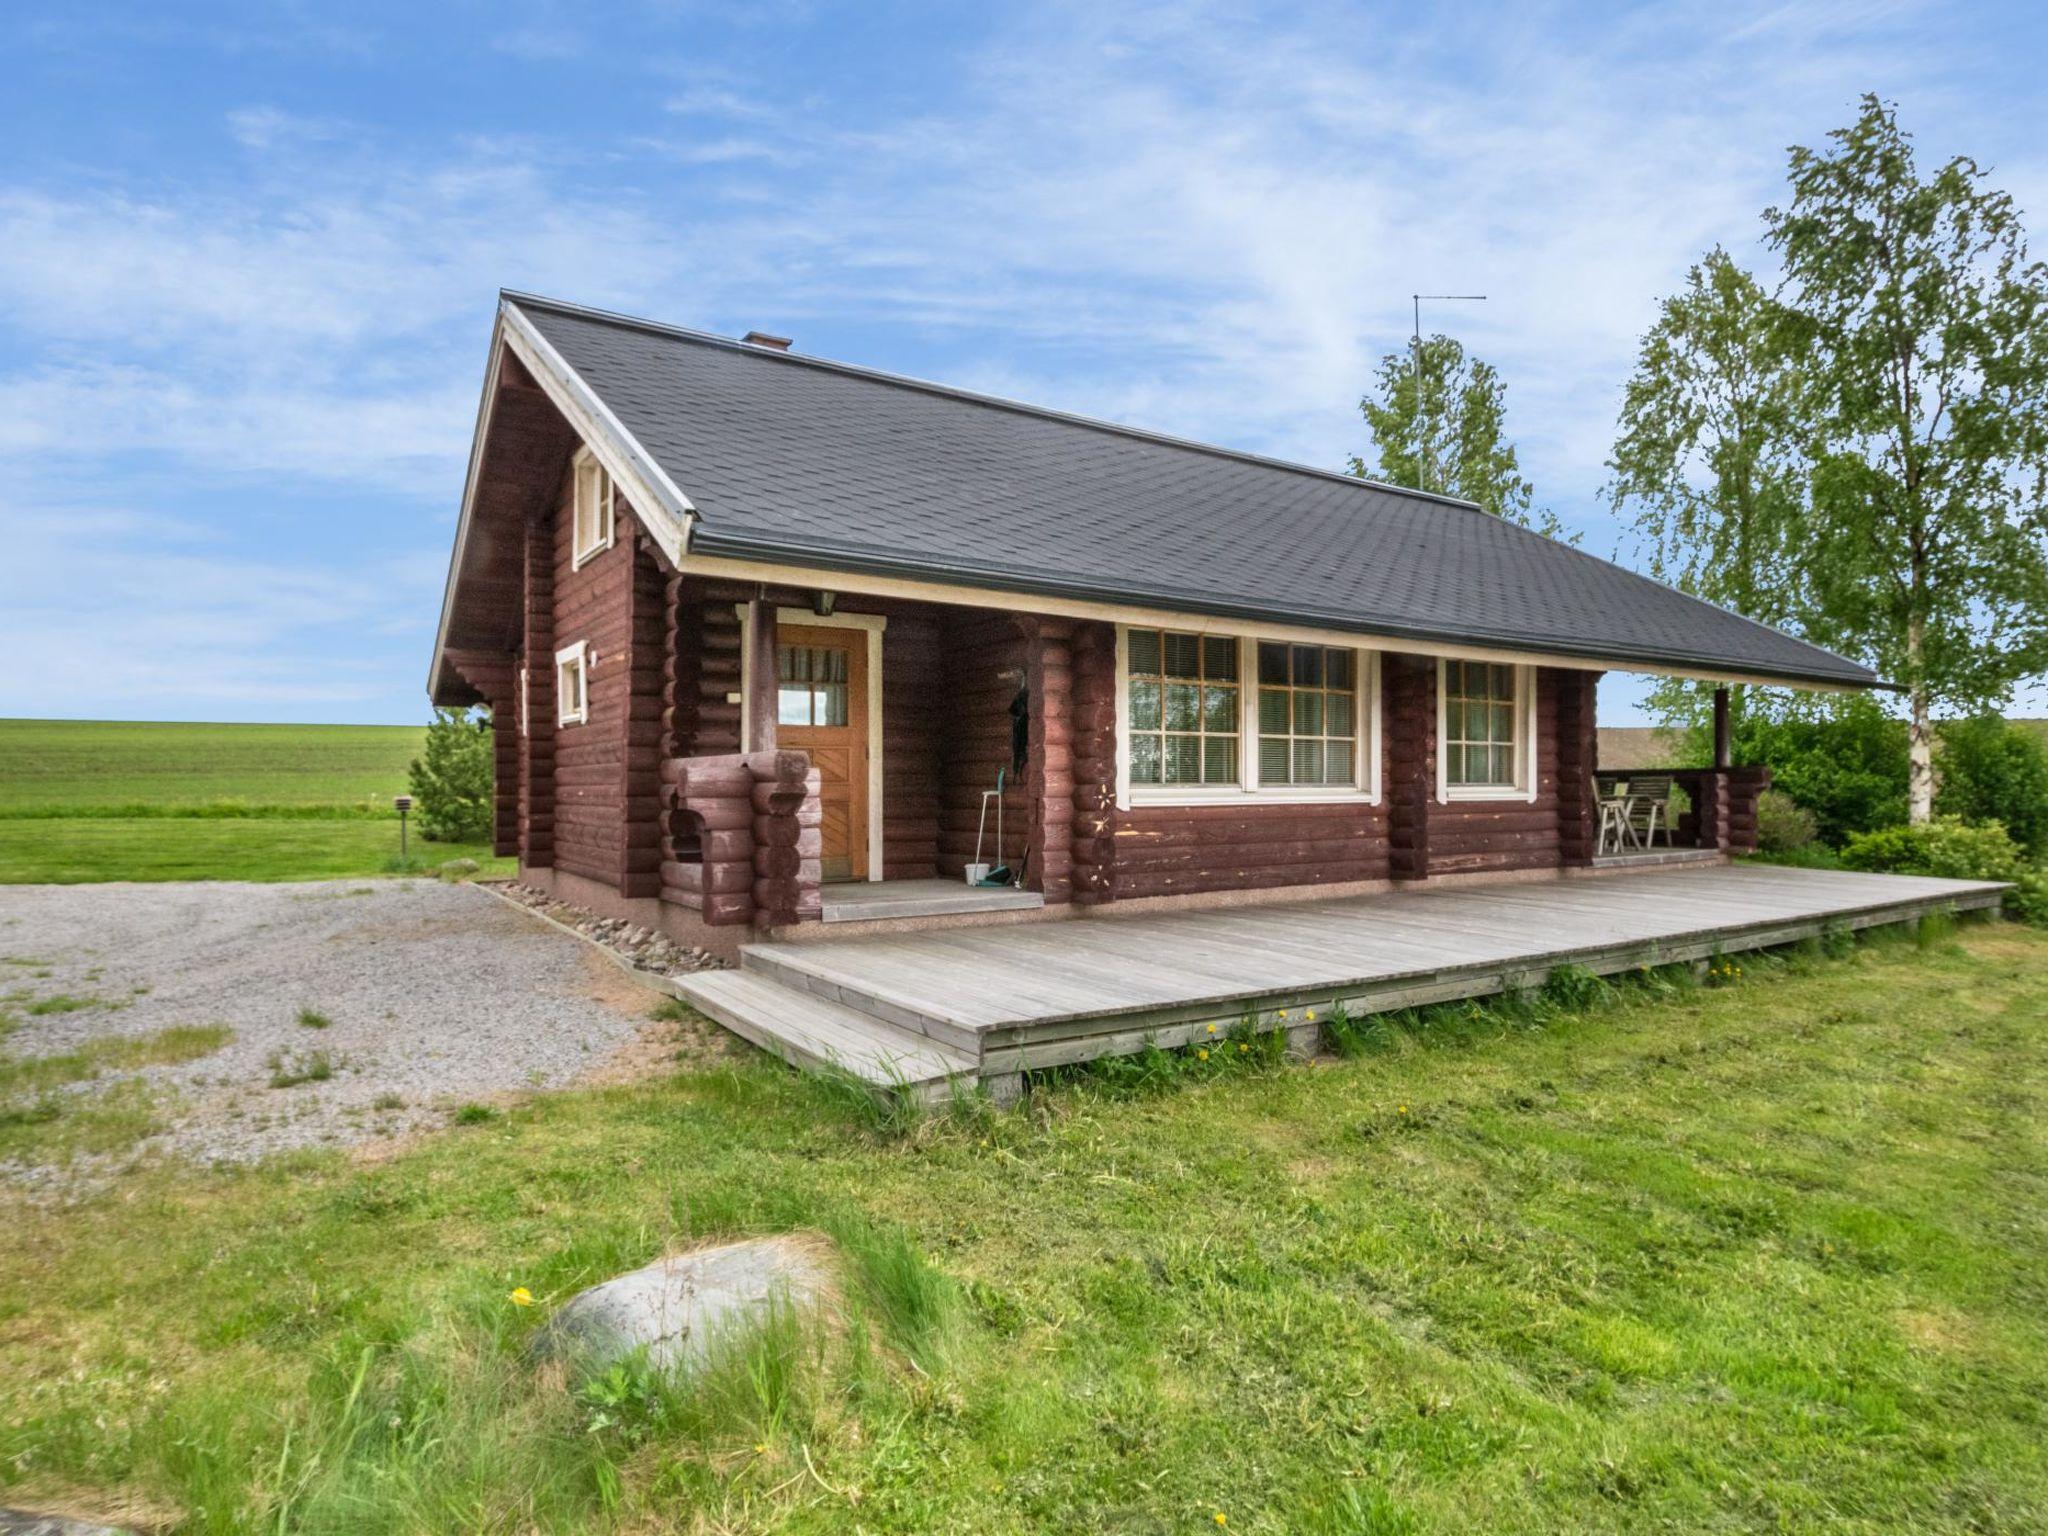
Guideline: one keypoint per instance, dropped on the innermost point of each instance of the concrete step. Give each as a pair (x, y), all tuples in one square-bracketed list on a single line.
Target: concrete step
[(807, 1030), (818, 970)]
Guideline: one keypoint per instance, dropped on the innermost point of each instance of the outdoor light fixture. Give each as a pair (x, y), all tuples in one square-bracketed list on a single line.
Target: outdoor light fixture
[(823, 602), (401, 804)]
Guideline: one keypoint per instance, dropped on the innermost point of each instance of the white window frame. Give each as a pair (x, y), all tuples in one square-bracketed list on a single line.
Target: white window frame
[(1365, 788), (587, 473), (578, 655), (1524, 754)]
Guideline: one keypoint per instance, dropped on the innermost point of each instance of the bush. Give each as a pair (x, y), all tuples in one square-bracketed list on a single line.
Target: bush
[(1991, 772), (1783, 825), (451, 782), (1847, 767), (2028, 900), (1945, 847)]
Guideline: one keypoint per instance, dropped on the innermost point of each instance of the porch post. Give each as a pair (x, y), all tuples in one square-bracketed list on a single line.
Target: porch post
[(1408, 687), (1722, 745), (761, 676), (1578, 752)]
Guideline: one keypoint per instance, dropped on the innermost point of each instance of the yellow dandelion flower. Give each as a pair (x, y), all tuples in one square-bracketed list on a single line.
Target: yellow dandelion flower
[(1404, 1109), (761, 1450), (1221, 1518), (522, 1297), (1212, 1029), (1242, 1047), (1202, 1055)]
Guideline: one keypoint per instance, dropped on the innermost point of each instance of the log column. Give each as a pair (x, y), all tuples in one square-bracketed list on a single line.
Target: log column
[(709, 808), (495, 675), (788, 838), (1578, 756), (1745, 786), (1049, 768), (761, 676), (641, 833), (1092, 724), (537, 739), (1408, 686)]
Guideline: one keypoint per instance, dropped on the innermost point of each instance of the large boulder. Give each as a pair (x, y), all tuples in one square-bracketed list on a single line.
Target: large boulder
[(676, 1307), (22, 1522)]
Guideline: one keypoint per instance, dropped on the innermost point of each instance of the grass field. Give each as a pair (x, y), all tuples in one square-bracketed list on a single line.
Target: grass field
[(1764, 1255), (84, 800)]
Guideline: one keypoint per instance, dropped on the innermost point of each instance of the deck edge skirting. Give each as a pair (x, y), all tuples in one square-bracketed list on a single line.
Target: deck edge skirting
[(1167, 1028)]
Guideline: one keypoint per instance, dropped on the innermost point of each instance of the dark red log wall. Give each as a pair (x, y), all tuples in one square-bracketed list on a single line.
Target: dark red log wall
[(594, 604)]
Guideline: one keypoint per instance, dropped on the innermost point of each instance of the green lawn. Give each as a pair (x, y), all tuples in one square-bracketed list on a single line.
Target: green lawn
[(67, 766), (74, 850), (1761, 1256), (85, 800)]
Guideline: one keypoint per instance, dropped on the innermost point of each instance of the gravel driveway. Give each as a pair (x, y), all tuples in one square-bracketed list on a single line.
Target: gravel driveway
[(432, 995)]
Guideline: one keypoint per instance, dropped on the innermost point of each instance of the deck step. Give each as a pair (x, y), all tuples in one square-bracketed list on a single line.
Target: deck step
[(811, 1031), (815, 969)]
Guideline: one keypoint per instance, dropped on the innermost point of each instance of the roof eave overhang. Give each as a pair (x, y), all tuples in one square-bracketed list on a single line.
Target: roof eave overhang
[(664, 511), (804, 565)]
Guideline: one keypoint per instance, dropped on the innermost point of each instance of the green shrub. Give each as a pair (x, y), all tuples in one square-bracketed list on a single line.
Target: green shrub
[(451, 780), (1847, 767), (2027, 901), (1783, 825), (1945, 847), (1991, 772)]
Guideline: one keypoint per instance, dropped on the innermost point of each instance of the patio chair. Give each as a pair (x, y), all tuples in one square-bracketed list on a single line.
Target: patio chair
[(1614, 832), (1648, 809)]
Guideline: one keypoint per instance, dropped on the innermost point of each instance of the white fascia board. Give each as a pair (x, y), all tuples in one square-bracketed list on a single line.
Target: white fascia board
[(659, 502), (469, 485)]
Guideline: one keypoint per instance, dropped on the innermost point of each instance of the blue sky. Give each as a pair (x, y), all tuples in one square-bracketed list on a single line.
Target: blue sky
[(249, 254)]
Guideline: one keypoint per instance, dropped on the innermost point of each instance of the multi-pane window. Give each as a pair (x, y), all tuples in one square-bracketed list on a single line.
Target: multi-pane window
[(592, 519), (1183, 707), (812, 686), (1308, 716), (1480, 727)]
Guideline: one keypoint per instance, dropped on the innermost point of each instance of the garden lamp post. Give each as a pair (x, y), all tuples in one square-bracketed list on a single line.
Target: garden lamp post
[(401, 804)]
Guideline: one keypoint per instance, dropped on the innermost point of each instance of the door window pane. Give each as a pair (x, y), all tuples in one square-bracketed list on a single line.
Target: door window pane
[(813, 687)]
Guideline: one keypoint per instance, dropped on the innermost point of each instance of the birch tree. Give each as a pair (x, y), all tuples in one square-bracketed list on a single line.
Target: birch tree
[(1922, 329), (1707, 459), (1438, 422)]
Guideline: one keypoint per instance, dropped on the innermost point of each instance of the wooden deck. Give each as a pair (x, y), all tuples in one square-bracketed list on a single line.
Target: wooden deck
[(922, 1010)]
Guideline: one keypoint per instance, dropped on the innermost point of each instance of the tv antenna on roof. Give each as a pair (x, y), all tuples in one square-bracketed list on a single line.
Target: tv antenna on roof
[(1415, 367)]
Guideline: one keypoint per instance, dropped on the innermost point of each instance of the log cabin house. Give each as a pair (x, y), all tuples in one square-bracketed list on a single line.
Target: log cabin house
[(762, 634)]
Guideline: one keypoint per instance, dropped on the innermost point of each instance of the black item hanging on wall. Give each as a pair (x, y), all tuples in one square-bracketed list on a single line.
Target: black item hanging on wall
[(1020, 729)]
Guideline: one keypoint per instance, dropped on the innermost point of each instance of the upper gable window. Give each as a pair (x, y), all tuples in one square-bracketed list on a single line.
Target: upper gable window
[(593, 511)]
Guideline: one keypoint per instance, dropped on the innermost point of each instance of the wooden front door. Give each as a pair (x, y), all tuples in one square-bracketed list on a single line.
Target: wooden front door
[(821, 707)]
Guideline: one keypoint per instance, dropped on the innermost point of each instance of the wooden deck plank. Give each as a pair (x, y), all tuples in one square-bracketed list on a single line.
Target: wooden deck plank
[(1025, 994)]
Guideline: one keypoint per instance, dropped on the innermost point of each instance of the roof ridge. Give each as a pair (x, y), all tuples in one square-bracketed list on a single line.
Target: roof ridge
[(976, 397)]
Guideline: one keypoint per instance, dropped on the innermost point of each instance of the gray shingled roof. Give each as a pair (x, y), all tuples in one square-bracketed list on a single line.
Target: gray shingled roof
[(789, 458)]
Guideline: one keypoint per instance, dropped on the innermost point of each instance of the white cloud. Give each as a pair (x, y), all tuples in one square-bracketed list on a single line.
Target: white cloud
[(1175, 215)]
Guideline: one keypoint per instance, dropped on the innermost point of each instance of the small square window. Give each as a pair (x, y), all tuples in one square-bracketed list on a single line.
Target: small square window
[(572, 686)]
